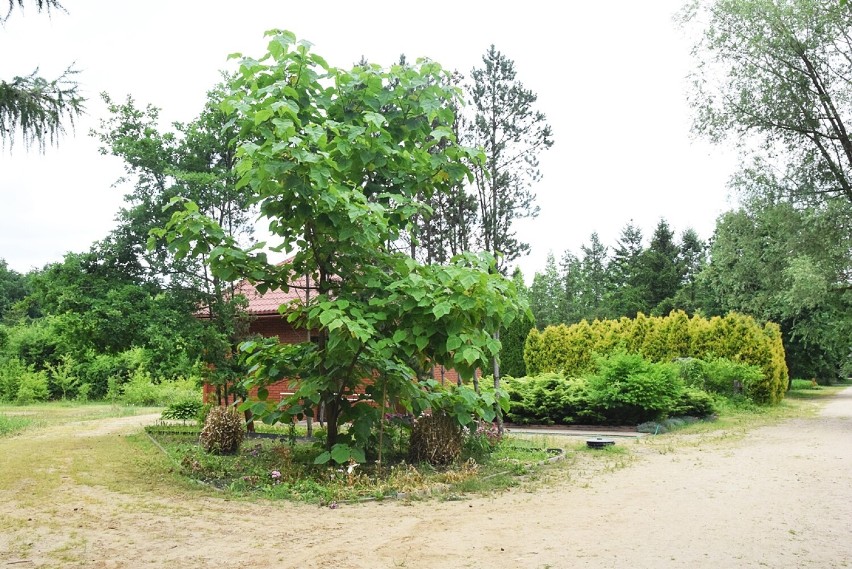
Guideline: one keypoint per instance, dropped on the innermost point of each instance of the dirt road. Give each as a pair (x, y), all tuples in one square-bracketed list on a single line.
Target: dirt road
[(780, 498)]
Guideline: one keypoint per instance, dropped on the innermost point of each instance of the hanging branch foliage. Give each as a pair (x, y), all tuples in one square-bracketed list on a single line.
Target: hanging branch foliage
[(41, 5), (38, 109)]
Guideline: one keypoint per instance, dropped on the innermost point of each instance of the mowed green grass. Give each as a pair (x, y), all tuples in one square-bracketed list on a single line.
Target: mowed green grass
[(44, 452)]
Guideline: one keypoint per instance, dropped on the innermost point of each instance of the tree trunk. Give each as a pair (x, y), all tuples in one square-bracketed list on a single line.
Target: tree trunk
[(497, 408), (332, 409), (309, 420), (249, 420)]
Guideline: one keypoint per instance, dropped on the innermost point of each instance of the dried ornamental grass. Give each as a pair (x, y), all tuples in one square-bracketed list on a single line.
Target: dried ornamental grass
[(223, 431), (436, 439)]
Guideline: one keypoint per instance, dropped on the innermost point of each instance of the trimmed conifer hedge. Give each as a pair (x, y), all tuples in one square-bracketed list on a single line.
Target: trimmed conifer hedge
[(570, 349)]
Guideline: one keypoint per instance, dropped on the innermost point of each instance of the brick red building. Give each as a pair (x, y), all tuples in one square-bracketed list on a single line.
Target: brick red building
[(267, 321)]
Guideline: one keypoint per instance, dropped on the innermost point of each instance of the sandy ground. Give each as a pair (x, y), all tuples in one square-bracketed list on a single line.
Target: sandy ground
[(781, 497)]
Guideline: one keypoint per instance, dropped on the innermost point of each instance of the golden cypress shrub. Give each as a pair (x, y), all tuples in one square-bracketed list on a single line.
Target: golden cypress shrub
[(533, 352), (737, 337)]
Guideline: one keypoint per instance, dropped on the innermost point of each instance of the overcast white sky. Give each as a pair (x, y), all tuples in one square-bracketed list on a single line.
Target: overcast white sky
[(610, 77)]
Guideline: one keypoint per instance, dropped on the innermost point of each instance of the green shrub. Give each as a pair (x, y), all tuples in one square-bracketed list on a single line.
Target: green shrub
[(628, 389), (548, 399), (32, 387), (36, 344), (804, 384), (512, 350), (223, 431), (63, 379), (480, 439), (145, 390), (140, 390), (694, 402), (11, 372), (101, 370), (692, 372), (83, 392), (733, 378), (183, 410)]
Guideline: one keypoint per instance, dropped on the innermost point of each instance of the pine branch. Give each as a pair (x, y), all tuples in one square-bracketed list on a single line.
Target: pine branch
[(38, 108), (41, 5)]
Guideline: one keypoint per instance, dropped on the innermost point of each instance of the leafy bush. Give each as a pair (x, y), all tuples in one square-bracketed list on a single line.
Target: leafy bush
[(481, 441), (145, 390), (183, 410), (628, 389), (436, 439), (694, 402), (693, 372), (223, 431), (548, 399), (140, 390), (732, 378), (36, 344), (100, 370), (11, 371), (63, 379), (32, 387), (804, 384)]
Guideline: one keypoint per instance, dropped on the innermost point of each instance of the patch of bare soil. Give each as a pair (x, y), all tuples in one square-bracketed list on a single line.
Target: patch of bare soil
[(781, 497)]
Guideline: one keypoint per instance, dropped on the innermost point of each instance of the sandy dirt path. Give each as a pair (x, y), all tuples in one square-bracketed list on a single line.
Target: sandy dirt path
[(781, 497)]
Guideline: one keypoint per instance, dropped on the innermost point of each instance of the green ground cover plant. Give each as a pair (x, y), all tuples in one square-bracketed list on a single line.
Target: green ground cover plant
[(284, 467)]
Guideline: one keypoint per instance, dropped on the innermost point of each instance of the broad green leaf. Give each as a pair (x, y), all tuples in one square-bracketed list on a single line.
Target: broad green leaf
[(322, 458), (340, 453), (441, 309)]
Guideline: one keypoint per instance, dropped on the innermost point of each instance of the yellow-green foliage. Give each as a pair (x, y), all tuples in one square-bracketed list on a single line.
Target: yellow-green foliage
[(569, 349)]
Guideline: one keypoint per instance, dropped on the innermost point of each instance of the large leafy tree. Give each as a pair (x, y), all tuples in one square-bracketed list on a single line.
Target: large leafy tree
[(13, 288), (194, 161), (778, 72), (338, 163), (34, 107), (790, 265), (95, 306)]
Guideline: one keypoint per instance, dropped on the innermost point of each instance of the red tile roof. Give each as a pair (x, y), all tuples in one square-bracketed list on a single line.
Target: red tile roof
[(268, 302)]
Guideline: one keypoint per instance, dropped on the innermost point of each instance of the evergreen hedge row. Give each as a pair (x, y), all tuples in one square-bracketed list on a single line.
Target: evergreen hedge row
[(626, 389), (570, 350)]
